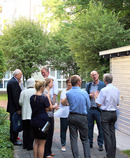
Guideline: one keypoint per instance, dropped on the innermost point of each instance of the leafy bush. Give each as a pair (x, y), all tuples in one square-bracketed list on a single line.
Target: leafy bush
[(6, 147), (3, 116)]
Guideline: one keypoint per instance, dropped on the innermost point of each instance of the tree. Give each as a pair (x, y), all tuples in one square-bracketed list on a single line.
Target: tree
[(95, 29), (58, 53), (2, 64), (24, 44)]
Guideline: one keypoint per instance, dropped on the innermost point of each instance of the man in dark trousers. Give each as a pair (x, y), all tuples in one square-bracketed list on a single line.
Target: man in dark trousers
[(79, 104), (94, 113), (108, 100), (13, 91)]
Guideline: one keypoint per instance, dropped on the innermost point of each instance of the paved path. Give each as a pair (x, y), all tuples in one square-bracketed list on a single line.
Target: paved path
[(123, 142), (22, 153)]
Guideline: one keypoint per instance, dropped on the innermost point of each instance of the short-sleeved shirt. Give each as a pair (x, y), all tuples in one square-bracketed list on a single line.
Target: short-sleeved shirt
[(63, 111), (39, 115), (78, 99), (108, 98)]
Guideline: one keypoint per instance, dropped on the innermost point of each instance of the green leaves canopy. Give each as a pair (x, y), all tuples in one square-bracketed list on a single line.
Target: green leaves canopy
[(95, 29), (24, 43)]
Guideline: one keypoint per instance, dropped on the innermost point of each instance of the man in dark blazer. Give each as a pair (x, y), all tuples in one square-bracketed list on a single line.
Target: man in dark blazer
[(13, 91), (94, 113)]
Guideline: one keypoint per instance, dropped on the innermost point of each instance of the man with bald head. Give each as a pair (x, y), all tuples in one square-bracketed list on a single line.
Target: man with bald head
[(94, 113), (13, 91), (79, 104)]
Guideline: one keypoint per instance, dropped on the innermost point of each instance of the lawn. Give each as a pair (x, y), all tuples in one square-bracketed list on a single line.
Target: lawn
[(127, 152), (3, 96)]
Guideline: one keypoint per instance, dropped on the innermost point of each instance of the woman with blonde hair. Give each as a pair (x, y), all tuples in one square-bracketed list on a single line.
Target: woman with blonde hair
[(39, 104), (48, 152)]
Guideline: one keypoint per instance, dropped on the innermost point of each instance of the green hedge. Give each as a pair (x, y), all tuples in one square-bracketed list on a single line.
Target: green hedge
[(6, 147)]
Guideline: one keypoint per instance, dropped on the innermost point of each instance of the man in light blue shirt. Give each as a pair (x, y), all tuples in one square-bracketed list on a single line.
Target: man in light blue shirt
[(107, 100), (79, 104)]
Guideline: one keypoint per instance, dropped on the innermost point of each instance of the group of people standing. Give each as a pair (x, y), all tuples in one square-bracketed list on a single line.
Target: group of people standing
[(78, 109)]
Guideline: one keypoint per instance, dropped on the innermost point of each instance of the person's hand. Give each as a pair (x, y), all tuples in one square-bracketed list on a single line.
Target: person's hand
[(47, 109), (96, 94), (92, 94)]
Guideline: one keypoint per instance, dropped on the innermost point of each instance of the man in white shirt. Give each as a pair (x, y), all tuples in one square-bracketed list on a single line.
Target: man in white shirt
[(107, 100), (54, 89), (53, 93)]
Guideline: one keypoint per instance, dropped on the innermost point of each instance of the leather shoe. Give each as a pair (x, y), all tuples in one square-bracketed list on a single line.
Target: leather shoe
[(29, 149), (91, 145), (17, 143), (100, 148)]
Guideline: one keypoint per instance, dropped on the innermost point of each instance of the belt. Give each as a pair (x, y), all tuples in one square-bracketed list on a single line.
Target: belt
[(94, 108), (77, 114)]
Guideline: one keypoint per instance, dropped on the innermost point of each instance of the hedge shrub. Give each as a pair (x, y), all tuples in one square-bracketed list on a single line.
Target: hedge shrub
[(6, 147)]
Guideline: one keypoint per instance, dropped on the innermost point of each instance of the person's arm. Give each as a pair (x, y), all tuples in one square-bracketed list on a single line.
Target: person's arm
[(64, 101), (54, 98), (100, 99), (50, 108)]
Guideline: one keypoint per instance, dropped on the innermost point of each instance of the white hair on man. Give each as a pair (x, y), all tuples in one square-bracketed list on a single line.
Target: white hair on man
[(16, 72)]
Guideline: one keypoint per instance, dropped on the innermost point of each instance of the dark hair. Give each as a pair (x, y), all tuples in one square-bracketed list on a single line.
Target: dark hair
[(75, 79), (67, 80)]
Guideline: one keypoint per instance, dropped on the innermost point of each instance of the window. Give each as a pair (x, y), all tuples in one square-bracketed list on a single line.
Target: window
[(59, 84), (58, 74)]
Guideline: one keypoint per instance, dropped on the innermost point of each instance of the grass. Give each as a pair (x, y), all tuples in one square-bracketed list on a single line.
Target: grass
[(3, 96), (127, 152)]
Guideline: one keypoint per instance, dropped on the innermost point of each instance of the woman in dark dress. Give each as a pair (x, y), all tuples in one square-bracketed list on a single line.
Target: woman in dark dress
[(39, 104)]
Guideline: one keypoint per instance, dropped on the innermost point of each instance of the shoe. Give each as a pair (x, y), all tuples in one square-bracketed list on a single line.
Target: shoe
[(52, 154), (24, 147), (17, 143), (49, 157), (63, 149), (29, 149), (91, 145), (100, 148)]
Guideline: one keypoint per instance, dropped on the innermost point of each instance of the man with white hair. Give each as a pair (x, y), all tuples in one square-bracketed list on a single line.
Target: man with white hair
[(107, 100), (13, 91), (24, 101)]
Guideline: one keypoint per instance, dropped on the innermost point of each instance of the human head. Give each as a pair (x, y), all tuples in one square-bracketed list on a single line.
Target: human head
[(39, 84), (49, 82), (68, 83), (76, 80), (45, 71), (30, 83), (17, 74), (107, 78), (95, 76)]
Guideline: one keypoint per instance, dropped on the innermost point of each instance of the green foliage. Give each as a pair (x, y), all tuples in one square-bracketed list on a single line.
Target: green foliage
[(3, 116), (95, 29), (23, 43), (127, 152), (59, 55), (3, 96), (6, 147), (2, 64)]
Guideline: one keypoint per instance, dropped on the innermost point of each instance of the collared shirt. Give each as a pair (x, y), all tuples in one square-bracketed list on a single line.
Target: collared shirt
[(108, 98), (15, 79), (54, 89), (94, 88), (78, 99)]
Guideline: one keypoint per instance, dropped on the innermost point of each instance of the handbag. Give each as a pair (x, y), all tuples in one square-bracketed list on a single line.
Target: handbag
[(45, 128), (17, 122)]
